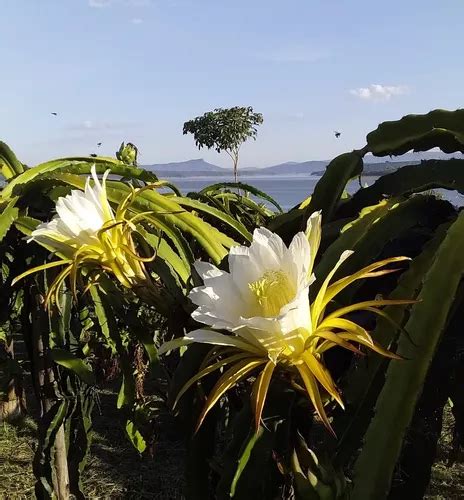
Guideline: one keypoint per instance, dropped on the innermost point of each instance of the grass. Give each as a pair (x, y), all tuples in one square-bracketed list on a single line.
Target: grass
[(17, 445), (447, 482), (116, 471)]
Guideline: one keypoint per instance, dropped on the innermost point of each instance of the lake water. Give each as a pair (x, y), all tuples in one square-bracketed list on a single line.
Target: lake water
[(287, 190)]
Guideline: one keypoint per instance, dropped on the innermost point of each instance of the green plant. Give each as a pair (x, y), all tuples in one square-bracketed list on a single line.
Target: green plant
[(287, 452), (386, 219), (145, 236)]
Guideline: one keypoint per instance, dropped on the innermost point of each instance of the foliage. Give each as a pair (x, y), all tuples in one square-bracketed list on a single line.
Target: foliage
[(225, 130), (287, 452)]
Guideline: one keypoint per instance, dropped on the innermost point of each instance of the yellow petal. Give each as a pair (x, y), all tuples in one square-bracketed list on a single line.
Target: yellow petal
[(259, 391), (347, 325), (314, 394), (335, 339), (206, 371), (366, 306), (40, 268), (228, 380), (322, 375), (366, 272), (318, 306)]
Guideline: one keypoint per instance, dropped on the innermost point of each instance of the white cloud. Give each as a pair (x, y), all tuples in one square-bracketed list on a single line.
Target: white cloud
[(294, 55), (136, 20), (377, 92), (99, 3)]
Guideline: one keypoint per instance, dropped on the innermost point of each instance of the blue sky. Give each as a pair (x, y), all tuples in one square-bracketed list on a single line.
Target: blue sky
[(135, 70)]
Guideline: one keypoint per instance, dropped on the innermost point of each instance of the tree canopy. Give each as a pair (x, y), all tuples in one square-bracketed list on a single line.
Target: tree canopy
[(225, 130)]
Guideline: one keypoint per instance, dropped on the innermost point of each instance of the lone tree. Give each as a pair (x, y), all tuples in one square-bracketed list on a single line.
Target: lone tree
[(225, 130)]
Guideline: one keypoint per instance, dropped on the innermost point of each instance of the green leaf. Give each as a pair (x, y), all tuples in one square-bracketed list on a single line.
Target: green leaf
[(248, 188), (404, 379), (245, 457), (220, 216), (375, 229), (360, 385), (7, 217), (26, 224), (329, 189), (439, 128), (105, 310), (135, 437), (431, 174), (78, 429), (286, 225), (77, 165), (71, 362), (10, 166)]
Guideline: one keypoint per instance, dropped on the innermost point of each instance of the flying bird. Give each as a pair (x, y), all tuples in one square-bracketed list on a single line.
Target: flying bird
[(93, 155), (54, 114), (99, 144), (337, 134)]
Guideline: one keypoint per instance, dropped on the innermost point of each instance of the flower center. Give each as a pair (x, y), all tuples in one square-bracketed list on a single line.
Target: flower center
[(273, 291)]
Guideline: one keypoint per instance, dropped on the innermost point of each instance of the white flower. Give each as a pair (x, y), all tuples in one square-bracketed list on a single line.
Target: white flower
[(264, 296), (263, 304), (80, 216), (86, 232)]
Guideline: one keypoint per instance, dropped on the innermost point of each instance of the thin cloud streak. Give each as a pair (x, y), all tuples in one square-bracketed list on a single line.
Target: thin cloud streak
[(100, 126), (99, 4)]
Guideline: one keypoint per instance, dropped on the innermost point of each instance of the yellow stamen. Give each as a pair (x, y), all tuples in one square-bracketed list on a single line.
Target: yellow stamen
[(273, 291)]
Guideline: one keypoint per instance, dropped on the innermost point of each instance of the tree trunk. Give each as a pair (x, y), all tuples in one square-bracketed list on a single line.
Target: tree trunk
[(61, 466), (46, 389), (235, 159)]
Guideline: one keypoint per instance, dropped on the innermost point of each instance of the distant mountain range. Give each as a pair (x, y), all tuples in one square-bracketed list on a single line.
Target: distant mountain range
[(372, 166)]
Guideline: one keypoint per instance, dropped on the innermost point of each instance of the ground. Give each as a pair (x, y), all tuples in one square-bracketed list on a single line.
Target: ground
[(116, 471), (447, 482)]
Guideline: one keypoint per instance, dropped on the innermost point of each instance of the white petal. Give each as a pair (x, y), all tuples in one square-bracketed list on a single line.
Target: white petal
[(300, 254), (272, 240), (267, 249), (97, 194), (220, 302), (244, 269), (297, 314), (207, 270)]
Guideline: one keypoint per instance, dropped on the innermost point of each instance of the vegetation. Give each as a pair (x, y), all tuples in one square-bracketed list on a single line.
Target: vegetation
[(225, 130), (87, 300)]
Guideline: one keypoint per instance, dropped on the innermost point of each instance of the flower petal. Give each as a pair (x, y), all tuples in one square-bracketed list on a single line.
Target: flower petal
[(207, 270), (215, 338)]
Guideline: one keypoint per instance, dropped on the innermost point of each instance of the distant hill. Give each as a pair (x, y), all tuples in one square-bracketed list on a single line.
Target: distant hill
[(380, 168), (191, 166), (291, 168), (372, 166)]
